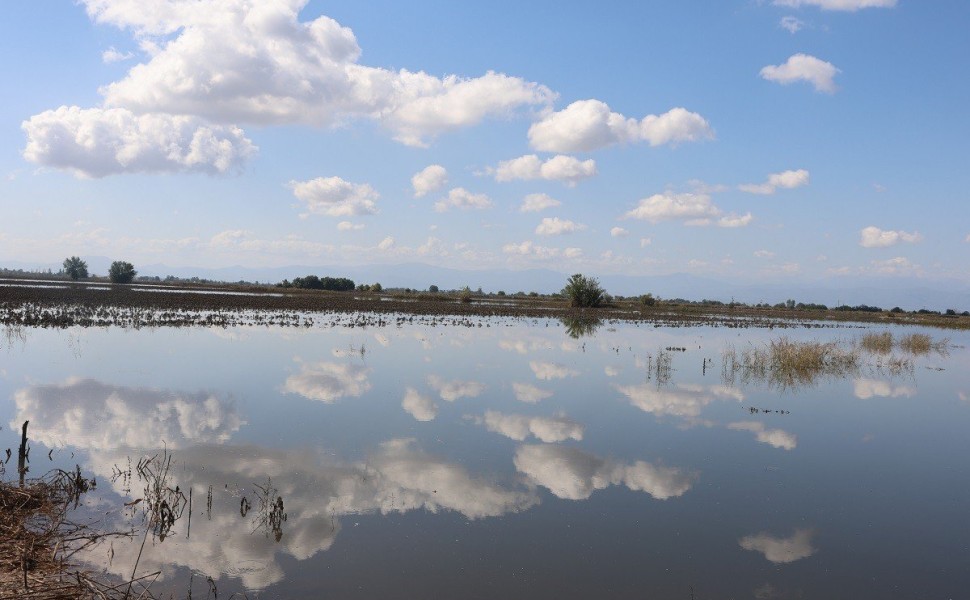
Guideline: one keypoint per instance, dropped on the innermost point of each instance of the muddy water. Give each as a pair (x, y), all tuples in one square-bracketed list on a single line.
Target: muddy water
[(502, 460)]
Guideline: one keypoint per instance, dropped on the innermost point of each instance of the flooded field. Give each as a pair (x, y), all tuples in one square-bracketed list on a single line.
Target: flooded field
[(507, 458)]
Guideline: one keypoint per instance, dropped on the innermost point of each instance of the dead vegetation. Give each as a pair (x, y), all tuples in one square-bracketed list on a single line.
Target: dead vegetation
[(38, 541), (788, 364)]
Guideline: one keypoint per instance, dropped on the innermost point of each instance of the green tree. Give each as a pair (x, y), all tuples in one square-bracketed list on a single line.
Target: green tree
[(584, 292), (648, 300), (121, 272), (433, 289), (75, 268), (376, 288)]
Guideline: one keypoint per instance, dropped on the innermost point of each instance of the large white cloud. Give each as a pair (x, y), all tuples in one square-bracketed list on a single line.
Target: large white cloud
[(519, 427), (572, 474), (99, 142), (93, 415), (563, 168), (588, 125), (334, 197), (803, 67), (873, 237), (329, 381), (845, 5), (429, 179), (781, 550), (254, 61), (785, 180), (557, 226)]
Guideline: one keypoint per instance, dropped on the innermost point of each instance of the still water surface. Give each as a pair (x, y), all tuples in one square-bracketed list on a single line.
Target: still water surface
[(503, 460)]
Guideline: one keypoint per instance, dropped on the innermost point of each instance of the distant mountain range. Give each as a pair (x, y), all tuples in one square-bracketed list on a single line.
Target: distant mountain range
[(907, 293)]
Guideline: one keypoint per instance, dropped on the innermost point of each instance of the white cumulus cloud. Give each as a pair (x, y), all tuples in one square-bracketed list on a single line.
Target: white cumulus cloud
[(539, 202), (348, 226), (588, 125), (803, 67), (873, 237), (557, 226), (668, 206), (430, 179), (463, 199), (99, 142), (255, 61), (733, 220), (619, 232), (785, 180), (567, 169), (334, 197)]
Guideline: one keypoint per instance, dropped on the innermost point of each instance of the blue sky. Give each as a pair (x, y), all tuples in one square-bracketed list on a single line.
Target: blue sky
[(753, 140)]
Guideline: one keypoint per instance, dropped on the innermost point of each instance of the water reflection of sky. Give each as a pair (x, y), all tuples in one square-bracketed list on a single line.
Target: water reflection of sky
[(510, 460)]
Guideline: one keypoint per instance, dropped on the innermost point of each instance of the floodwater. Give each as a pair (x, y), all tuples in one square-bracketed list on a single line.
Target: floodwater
[(502, 460)]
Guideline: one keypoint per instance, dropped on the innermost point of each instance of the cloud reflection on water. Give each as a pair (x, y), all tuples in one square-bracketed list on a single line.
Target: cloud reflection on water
[(572, 474), (681, 400), (397, 477), (779, 438), (519, 427), (329, 381), (781, 550), (93, 415)]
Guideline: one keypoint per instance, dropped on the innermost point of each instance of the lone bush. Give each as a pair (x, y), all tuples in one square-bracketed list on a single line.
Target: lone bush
[(583, 292), (121, 272), (75, 268)]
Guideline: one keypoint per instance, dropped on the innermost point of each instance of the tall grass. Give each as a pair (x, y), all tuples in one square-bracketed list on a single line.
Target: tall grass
[(921, 343), (787, 364), (877, 343)]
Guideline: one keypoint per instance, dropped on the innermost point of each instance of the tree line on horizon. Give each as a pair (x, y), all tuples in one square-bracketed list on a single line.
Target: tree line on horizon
[(580, 290)]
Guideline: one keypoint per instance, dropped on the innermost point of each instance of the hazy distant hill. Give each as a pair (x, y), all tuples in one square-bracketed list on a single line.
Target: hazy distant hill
[(908, 293)]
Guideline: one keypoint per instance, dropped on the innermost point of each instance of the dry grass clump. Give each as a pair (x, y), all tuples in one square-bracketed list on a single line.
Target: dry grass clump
[(37, 541), (877, 343), (788, 364), (921, 343)]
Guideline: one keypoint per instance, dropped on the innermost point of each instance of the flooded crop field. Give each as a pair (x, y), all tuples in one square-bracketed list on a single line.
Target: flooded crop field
[(385, 455)]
